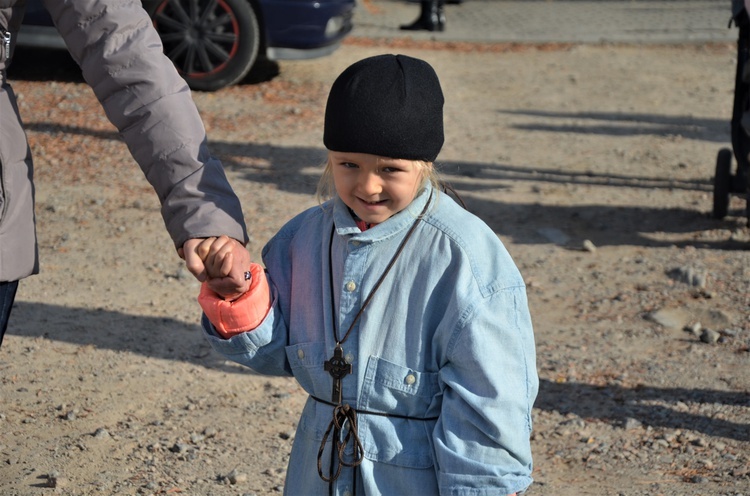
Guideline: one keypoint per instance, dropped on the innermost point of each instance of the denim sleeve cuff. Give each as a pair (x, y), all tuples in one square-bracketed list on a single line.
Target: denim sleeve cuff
[(239, 347)]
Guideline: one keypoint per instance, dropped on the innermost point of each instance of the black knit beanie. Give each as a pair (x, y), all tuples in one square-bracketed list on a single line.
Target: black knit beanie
[(387, 105)]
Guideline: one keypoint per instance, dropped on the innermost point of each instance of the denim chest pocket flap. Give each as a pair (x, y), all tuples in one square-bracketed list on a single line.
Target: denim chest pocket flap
[(384, 379)]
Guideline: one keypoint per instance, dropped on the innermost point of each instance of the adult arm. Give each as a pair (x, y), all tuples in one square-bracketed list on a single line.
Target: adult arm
[(122, 59)]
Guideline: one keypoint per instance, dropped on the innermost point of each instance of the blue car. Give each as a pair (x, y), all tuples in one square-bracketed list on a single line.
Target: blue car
[(214, 43)]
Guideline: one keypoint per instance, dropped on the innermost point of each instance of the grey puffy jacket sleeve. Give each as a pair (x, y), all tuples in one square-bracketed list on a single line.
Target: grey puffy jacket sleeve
[(122, 59)]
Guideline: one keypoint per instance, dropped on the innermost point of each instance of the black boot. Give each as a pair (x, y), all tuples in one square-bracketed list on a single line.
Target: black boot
[(441, 16), (431, 18)]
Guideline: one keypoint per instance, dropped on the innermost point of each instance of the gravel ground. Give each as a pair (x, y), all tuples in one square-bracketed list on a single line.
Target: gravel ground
[(592, 163)]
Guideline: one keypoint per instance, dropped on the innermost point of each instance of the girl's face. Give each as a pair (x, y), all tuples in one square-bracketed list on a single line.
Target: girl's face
[(374, 187)]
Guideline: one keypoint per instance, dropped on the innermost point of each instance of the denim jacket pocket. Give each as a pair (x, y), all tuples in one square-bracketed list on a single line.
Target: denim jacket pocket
[(409, 400)]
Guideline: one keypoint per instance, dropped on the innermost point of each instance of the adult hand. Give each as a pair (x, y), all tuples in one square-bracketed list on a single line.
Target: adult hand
[(222, 262)]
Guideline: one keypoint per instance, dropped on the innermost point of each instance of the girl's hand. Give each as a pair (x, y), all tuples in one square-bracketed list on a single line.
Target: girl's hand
[(193, 262), (217, 256)]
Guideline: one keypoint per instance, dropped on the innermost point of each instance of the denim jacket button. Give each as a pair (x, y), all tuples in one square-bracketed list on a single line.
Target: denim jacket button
[(349, 358), (300, 354), (410, 379), (351, 286)]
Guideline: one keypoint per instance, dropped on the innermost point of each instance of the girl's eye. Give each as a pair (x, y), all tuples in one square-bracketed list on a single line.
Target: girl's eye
[(348, 165)]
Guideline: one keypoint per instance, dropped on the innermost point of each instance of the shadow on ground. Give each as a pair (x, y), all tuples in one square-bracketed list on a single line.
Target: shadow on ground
[(626, 124), (153, 337), (170, 339), (617, 405), (288, 168)]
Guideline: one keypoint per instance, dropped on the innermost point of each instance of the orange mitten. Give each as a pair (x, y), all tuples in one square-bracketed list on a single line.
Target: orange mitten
[(243, 314)]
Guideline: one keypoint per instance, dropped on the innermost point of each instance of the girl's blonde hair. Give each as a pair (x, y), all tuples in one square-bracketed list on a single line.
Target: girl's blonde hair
[(327, 190)]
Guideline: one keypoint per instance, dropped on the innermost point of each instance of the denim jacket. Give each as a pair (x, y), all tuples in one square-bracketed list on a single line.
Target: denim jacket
[(445, 347)]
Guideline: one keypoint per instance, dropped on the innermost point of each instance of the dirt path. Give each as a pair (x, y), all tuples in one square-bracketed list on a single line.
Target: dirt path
[(593, 164)]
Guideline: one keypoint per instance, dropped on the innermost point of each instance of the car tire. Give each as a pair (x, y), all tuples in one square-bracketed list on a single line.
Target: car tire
[(212, 44)]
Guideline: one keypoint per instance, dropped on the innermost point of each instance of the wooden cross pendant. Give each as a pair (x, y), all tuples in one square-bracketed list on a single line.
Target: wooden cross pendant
[(338, 368)]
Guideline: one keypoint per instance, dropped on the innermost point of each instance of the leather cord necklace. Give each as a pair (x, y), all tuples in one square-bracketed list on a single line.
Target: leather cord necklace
[(339, 368)]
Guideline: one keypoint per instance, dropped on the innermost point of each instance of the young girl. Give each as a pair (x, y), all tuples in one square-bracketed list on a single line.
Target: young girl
[(399, 312)]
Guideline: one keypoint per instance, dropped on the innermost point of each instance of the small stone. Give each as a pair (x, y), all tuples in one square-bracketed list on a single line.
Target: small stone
[(709, 336), (631, 423), (179, 448), (670, 318), (588, 246), (235, 477), (55, 480), (695, 329), (700, 442), (689, 275), (101, 433)]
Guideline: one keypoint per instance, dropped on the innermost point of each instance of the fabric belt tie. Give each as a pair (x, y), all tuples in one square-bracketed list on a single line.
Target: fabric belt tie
[(379, 414)]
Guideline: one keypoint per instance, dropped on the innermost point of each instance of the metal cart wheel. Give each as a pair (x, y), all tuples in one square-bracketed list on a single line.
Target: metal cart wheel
[(722, 183)]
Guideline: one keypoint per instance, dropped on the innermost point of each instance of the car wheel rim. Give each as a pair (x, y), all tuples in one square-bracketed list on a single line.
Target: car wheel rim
[(200, 36)]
